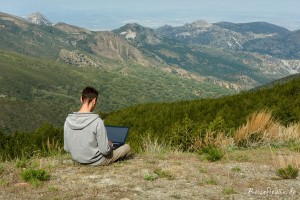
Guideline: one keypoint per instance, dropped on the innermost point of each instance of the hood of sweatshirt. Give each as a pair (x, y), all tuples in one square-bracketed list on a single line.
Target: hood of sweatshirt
[(79, 120)]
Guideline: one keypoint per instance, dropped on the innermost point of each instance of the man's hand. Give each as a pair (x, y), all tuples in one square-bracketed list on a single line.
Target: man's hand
[(110, 143)]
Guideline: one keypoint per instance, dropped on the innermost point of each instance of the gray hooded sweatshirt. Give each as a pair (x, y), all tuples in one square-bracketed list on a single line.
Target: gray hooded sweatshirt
[(85, 138)]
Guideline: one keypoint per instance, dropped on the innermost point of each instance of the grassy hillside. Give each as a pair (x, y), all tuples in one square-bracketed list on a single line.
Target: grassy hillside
[(167, 121), (35, 91)]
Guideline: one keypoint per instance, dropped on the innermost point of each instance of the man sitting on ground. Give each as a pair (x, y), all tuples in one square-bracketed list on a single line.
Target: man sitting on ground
[(85, 135)]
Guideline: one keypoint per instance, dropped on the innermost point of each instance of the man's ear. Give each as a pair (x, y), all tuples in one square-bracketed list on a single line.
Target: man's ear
[(81, 99), (94, 101)]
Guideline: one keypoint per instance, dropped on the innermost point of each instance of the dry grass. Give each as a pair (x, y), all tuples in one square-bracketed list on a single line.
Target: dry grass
[(290, 133), (155, 146), (283, 159), (54, 146), (261, 129), (215, 139)]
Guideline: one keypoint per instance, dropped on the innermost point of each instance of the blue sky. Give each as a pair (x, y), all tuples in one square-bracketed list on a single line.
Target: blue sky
[(111, 14)]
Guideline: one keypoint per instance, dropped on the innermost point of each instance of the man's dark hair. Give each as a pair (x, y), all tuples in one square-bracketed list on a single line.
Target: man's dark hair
[(88, 94)]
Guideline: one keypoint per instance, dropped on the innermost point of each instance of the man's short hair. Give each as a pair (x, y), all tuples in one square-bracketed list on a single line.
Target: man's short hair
[(88, 94)]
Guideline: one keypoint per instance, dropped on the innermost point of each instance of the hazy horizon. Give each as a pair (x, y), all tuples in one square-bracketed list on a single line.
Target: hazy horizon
[(103, 15)]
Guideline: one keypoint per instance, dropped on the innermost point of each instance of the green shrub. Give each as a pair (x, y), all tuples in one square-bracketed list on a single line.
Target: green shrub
[(289, 172), (213, 154), (182, 134), (35, 176), (150, 176)]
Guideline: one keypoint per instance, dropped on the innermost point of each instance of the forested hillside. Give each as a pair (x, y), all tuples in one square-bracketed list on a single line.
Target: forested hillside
[(186, 119)]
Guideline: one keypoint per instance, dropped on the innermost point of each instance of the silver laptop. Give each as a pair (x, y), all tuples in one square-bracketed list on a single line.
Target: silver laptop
[(117, 134)]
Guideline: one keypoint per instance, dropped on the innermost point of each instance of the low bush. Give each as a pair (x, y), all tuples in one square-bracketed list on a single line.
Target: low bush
[(289, 172), (35, 176), (213, 154), (150, 176)]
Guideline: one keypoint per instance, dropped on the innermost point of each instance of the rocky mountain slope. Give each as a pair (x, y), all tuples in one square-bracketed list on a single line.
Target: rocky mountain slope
[(253, 27), (286, 46), (259, 37), (223, 35), (203, 33), (52, 42), (230, 69), (39, 19)]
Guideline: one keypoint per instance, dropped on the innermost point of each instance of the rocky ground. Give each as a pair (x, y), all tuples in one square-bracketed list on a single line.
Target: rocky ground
[(241, 174)]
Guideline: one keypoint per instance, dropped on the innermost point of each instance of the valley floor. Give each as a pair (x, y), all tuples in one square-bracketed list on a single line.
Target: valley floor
[(242, 174)]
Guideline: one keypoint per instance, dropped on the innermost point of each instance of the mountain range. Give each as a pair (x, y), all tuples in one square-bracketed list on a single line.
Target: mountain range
[(200, 51), (136, 64), (221, 35), (238, 70)]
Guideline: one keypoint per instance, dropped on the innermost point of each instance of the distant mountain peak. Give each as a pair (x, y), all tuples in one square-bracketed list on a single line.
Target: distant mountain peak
[(202, 23), (134, 27), (138, 34), (129, 34), (39, 19), (199, 24), (131, 30)]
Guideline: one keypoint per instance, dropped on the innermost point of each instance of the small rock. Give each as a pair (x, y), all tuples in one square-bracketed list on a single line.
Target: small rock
[(108, 181), (22, 184), (138, 189)]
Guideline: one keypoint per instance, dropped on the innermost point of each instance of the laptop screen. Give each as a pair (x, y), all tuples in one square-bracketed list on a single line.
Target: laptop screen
[(117, 134)]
